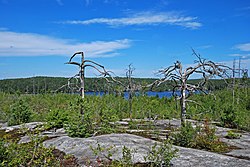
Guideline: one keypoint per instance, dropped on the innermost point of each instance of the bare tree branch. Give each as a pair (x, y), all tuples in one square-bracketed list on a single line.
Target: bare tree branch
[(86, 63), (179, 77)]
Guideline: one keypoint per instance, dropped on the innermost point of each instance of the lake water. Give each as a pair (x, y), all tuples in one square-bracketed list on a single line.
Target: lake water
[(149, 93)]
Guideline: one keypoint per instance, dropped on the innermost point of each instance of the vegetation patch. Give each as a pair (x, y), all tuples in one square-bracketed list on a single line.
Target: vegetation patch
[(232, 135), (200, 138)]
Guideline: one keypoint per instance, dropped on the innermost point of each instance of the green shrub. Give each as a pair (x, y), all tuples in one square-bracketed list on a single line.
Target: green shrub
[(27, 154), (79, 122), (207, 140), (56, 118), (106, 117), (79, 125), (19, 113), (200, 138), (161, 154), (127, 155), (232, 135), (3, 151), (186, 136), (229, 116)]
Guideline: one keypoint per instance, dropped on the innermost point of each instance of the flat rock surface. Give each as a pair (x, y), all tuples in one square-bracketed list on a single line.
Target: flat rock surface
[(242, 143), (242, 153), (30, 126), (50, 134), (197, 158), (81, 149)]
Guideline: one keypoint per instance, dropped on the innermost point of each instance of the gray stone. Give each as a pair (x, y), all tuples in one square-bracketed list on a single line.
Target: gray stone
[(197, 158), (29, 126), (80, 148), (243, 142), (50, 134), (3, 124), (242, 153), (124, 123)]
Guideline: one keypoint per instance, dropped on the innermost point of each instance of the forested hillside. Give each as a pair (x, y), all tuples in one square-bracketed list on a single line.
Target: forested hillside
[(35, 85)]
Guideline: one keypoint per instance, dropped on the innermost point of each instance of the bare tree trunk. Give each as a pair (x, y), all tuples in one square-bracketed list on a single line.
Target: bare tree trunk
[(131, 88), (179, 77), (130, 103), (82, 78), (183, 105), (82, 83)]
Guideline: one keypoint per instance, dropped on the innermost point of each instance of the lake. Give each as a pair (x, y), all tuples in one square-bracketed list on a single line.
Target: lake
[(149, 93)]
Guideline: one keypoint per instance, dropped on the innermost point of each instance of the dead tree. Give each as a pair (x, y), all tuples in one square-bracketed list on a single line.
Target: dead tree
[(178, 76), (130, 87), (82, 65)]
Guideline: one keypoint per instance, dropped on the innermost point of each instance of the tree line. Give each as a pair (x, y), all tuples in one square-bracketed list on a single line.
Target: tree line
[(43, 84)]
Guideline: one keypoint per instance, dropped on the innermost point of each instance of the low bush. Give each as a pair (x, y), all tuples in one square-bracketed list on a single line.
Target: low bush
[(228, 117), (56, 118), (161, 154), (19, 113), (27, 154), (199, 137), (186, 136), (232, 135), (79, 122)]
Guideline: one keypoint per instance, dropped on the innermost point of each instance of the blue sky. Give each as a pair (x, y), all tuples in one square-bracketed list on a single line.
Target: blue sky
[(38, 36)]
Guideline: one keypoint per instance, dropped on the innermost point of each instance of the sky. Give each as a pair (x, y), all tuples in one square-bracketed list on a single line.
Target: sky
[(37, 37)]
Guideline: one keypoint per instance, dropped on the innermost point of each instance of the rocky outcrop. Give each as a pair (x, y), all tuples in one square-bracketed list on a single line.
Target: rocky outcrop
[(114, 143), (197, 158), (48, 134), (81, 149), (30, 126), (241, 144)]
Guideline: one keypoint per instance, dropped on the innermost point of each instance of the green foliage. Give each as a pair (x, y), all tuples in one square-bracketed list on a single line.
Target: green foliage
[(199, 137), (60, 109), (206, 139), (56, 118), (27, 154), (79, 121), (94, 114), (3, 151), (161, 154), (221, 106), (102, 153), (79, 126), (232, 135), (127, 156), (106, 119), (36, 85), (19, 113), (228, 117), (186, 136)]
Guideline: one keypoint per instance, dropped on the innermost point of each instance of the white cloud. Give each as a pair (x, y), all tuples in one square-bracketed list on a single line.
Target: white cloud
[(243, 47), (144, 18), (28, 44), (245, 63), (242, 56)]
